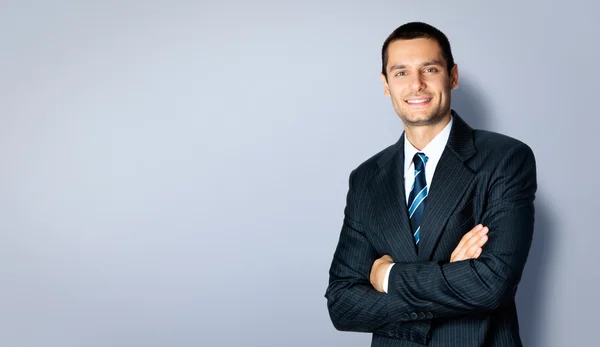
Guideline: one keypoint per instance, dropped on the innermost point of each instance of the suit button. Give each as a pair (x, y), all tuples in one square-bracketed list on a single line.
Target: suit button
[(429, 315), (413, 315), (404, 316), (391, 333), (421, 315)]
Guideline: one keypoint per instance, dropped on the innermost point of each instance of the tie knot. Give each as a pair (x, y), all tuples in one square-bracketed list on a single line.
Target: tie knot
[(420, 159)]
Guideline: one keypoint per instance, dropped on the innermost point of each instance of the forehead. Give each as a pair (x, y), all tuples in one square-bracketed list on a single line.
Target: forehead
[(413, 52)]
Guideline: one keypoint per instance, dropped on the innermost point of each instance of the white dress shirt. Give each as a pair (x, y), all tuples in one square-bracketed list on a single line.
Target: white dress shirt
[(433, 151)]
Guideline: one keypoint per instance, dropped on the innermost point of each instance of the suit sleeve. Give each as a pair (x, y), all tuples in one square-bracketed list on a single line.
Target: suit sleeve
[(482, 284), (353, 303)]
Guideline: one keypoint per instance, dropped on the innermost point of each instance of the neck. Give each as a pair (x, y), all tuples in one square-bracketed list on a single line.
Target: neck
[(420, 135)]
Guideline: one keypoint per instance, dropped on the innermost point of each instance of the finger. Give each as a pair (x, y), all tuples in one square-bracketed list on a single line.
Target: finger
[(476, 248), (484, 230), (483, 239), (469, 235), (478, 239), (472, 252)]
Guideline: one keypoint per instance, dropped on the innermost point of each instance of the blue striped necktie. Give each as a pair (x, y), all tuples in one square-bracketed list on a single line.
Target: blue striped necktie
[(418, 193)]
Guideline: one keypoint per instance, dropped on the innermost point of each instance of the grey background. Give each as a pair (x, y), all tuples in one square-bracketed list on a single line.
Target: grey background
[(174, 172)]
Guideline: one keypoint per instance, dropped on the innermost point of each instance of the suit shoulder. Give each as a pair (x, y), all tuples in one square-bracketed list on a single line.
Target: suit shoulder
[(366, 170), (490, 142)]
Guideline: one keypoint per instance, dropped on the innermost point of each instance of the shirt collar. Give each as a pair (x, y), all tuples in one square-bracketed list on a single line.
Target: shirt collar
[(433, 150)]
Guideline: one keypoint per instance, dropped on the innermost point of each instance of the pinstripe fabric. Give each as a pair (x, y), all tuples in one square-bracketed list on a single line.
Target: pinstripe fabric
[(482, 177)]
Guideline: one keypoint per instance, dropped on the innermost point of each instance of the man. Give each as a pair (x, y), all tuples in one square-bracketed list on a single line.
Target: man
[(414, 264)]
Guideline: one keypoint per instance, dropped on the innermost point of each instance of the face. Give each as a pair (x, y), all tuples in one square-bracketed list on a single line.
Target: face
[(418, 82)]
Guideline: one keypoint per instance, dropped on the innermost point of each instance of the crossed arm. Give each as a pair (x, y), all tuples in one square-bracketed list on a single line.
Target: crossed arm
[(472, 280), (469, 247)]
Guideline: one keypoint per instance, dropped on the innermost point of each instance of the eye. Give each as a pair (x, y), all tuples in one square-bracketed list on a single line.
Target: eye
[(431, 69), (400, 73)]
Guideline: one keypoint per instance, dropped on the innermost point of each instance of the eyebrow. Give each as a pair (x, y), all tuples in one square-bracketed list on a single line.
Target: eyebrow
[(427, 63)]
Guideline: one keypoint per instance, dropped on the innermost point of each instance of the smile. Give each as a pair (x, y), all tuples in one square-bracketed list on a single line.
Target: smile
[(418, 101)]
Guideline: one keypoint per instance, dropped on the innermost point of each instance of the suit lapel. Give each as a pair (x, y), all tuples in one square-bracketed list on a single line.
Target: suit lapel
[(390, 209), (450, 182)]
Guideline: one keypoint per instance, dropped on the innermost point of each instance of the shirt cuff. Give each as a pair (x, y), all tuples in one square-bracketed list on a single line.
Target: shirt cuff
[(387, 276)]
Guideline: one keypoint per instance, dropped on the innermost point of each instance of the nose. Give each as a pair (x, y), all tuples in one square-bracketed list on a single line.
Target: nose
[(417, 82)]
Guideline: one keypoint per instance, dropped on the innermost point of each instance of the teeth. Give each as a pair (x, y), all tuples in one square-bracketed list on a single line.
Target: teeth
[(417, 101)]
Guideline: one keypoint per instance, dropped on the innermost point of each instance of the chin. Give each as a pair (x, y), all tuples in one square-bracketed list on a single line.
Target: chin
[(418, 118), (421, 119)]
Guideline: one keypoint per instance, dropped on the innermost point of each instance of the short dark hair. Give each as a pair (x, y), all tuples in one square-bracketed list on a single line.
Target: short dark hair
[(417, 30)]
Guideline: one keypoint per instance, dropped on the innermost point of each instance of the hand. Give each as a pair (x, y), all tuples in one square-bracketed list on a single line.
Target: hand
[(378, 271), (470, 245)]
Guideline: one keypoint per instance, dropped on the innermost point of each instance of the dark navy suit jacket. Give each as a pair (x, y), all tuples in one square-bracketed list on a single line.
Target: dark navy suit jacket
[(482, 177)]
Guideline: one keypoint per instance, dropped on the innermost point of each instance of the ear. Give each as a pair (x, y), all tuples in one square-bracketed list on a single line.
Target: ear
[(386, 87), (454, 77)]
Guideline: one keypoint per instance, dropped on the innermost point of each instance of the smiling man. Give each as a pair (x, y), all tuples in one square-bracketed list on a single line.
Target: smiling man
[(437, 227)]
